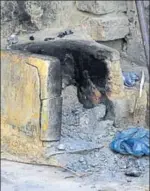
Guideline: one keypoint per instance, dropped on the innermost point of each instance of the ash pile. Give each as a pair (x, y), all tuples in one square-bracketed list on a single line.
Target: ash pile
[(85, 138), (85, 132)]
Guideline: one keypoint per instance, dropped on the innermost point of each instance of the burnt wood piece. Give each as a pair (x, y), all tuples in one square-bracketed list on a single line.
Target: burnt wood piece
[(62, 34), (87, 93), (50, 38), (31, 38)]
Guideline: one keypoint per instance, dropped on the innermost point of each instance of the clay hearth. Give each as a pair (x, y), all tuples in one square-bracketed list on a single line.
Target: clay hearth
[(86, 64), (36, 78), (93, 68)]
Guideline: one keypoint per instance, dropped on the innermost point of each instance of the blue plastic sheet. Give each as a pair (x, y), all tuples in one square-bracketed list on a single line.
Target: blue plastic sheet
[(130, 78), (134, 141)]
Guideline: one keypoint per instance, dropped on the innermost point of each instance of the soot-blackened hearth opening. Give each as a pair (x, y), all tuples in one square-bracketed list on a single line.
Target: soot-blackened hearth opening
[(80, 67)]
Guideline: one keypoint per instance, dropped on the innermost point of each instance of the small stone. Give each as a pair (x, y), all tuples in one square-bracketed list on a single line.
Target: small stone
[(13, 39), (61, 147), (61, 34), (134, 173), (84, 120), (132, 168), (71, 148), (31, 37), (81, 159), (94, 164), (111, 133), (123, 167), (99, 136), (84, 162), (100, 111), (67, 32), (97, 155), (129, 180)]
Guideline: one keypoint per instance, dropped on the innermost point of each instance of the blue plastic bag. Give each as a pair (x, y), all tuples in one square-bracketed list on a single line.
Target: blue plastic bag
[(134, 141), (130, 78)]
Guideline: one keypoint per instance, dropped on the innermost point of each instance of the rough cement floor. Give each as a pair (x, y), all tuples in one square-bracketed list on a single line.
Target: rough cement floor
[(23, 177)]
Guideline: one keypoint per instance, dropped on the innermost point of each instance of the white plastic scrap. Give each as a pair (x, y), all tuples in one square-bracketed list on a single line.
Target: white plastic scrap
[(13, 39), (142, 83)]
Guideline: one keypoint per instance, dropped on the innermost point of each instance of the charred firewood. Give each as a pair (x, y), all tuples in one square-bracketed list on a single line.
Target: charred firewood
[(31, 38), (50, 38), (87, 93), (62, 34)]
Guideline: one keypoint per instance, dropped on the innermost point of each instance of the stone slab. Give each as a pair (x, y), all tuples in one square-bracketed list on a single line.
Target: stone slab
[(101, 7), (108, 27)]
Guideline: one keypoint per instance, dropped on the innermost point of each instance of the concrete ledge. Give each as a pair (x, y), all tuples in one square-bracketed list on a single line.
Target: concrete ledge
[(25, 83), (101, 7), (106, 28)]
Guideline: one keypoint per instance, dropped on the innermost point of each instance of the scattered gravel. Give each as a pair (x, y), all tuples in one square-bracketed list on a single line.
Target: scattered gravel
[(86, 137)]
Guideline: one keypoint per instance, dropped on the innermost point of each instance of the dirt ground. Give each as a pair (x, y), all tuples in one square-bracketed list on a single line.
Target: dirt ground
[(23, 177)]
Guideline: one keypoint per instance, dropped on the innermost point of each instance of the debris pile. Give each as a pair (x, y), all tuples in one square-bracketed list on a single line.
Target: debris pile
[(85, 138)]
